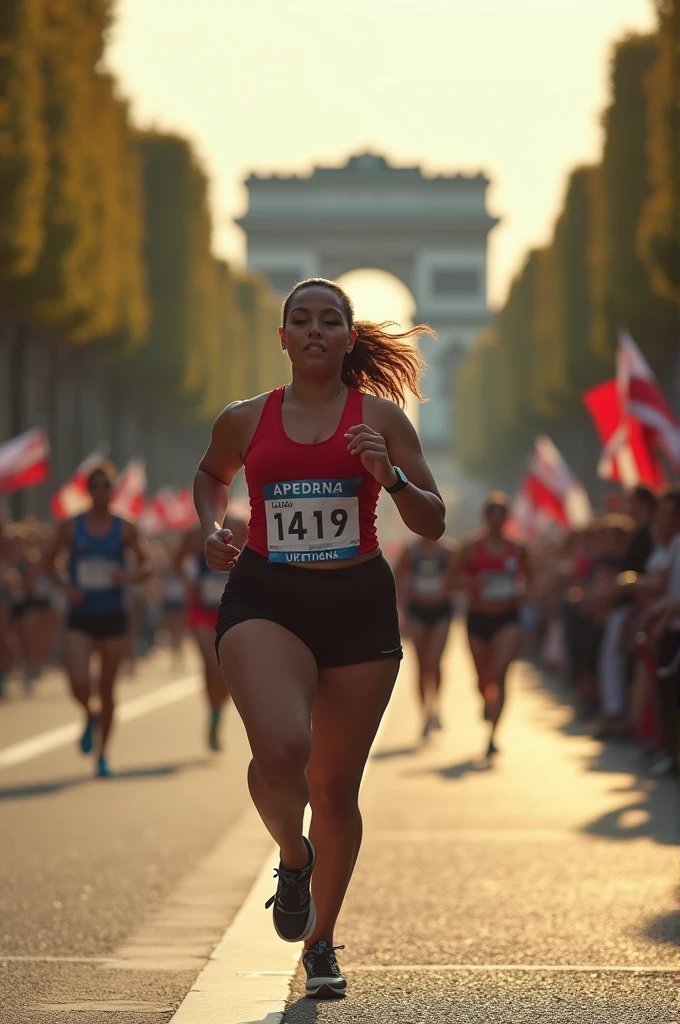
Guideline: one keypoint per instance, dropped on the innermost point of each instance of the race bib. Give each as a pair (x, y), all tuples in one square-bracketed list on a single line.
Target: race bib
[(312, 520), (211, 588), (500, 587), (95, 573), (428, 586)]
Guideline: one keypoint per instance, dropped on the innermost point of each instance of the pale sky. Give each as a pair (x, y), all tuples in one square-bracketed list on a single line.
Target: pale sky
[(511, 87)]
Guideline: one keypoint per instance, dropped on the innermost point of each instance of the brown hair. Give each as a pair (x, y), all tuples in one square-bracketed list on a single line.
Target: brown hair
[(382, 363), (105, 469), (497, 499)]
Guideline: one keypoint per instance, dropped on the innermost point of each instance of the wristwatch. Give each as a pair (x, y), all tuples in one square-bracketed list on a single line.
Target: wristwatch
[(402, 481)]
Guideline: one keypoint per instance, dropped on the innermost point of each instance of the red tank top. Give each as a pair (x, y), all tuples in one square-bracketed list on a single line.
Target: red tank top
[(309, 502), (500, 572)]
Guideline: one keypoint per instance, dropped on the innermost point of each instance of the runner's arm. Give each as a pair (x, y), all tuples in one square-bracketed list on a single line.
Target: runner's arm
[(62, 539), (217, 469), (140, 549), (420, 504), (178, 561), (402, 573)]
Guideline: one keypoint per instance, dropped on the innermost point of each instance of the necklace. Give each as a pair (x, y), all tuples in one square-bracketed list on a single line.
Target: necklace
[(316, 412)]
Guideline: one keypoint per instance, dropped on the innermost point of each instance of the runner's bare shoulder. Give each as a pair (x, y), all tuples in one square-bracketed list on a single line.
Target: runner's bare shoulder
[(238, 421)]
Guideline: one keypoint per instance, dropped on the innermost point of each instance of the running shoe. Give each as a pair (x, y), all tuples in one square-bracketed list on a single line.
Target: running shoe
[(324, 977), (427, 729), (104, 770), (214, 741), (87, 739), (294, 910)]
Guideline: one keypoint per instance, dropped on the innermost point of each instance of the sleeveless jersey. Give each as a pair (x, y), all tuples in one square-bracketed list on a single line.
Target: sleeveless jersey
[(309, 502), (209, 585), (428, 573), (91, 564), (500, 571)]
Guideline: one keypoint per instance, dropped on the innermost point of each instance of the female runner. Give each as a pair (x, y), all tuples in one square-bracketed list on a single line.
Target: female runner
[(425, 584), (308, 633), (205, 587), (496, 572)]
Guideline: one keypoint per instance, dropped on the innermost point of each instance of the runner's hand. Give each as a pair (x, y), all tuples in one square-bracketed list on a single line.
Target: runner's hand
[(372, 449), (220, 553)]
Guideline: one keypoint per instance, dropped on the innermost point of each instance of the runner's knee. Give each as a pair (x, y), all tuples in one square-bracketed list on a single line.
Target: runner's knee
[(281, 759), (335, 799)]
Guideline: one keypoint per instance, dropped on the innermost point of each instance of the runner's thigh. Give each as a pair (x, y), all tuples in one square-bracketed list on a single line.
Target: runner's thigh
[(347, 710), (272, 680), (436, 641), (505, 646), (78, 649)]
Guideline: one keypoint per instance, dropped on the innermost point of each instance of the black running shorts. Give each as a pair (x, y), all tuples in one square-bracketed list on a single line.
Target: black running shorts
[(430, 615), (485, 625), (344, 616), (106, 626)]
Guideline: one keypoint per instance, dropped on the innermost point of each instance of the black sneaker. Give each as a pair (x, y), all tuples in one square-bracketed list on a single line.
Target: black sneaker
[(324, 977), (492, 749), (294, 910)]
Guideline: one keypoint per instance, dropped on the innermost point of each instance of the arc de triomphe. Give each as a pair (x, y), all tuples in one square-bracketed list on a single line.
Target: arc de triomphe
[(430, 232)]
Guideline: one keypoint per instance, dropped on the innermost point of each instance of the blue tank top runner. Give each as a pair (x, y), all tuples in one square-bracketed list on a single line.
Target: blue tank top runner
[(91, 565)]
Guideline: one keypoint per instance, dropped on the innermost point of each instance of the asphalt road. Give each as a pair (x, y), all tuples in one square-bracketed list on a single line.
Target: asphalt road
[(541, 890)]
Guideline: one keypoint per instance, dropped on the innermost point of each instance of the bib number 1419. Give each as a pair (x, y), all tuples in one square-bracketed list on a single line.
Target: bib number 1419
[(334, 525)]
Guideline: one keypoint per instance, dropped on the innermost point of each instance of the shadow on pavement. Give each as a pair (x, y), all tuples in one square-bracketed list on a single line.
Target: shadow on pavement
[(648, 814), (457, 771), (72, 781), (386, 755), (665, 928), (302, 1011)]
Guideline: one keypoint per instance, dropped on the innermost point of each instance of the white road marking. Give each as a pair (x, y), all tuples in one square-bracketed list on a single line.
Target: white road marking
[(131, 709), (248, 975)]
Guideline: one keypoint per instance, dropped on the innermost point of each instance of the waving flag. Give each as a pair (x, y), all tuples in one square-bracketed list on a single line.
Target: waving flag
[(24, 461), (553, 489), (168, 510), (627, 455), (73, 498), (128, 497), (643, 400)]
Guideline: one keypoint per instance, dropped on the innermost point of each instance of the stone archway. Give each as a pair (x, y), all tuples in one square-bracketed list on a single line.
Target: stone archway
[(430, 232)]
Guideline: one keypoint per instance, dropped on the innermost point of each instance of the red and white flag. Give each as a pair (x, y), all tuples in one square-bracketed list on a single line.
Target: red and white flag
[(643, 400), (24, 461), (627, 455), (553, 489), (73, 498), (526, 522), (128, 496), (169, 510)]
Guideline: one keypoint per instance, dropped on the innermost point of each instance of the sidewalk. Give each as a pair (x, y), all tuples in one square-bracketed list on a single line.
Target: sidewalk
[(541, 890)]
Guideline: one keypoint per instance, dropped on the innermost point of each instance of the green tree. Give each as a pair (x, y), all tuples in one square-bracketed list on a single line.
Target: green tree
[(23, 150), (88, 279), (622, 293), (659, 226)]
